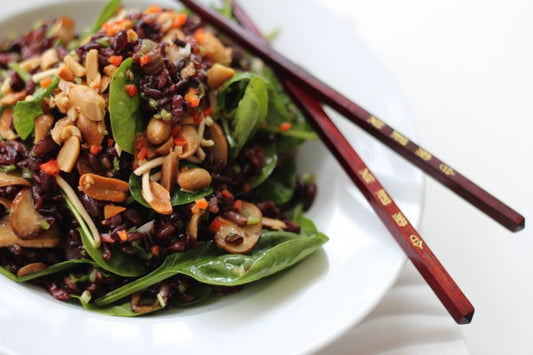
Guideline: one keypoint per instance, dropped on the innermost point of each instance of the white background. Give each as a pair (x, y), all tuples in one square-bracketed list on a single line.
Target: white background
[(465, 69)]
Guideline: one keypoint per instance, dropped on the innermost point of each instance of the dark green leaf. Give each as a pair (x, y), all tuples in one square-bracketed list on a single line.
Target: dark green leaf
[(281, 184), (271, 160), (61, 266), (274, 252), (177, 198), (124, 111)]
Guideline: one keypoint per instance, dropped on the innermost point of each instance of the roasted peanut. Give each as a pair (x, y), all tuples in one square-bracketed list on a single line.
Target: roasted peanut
[(64, 29), (5, 125), (49, 58), (91, 65), (104, 188), (161, 199), (216, 52), (166, 147), (12, 98), (43, 124), (218, 74), (157, 131), (70, 131), (76, 68), (68, 154), (58, 128), (169, 171), (194, 179), (89, 102), (93, 132)]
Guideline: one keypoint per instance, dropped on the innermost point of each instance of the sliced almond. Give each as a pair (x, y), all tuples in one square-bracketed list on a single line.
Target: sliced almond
[(65, 73), (109, 70), (49, 58), (30, 64), (91, 65), (68, 154), (104, 188), (76, 68)]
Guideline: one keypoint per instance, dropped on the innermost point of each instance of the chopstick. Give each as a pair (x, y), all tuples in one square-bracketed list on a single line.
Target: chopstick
[(391, 137), (405, 234)]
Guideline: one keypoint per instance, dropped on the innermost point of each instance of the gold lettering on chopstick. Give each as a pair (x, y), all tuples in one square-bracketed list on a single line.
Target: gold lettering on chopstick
[(446, 169), (399, 219), (398, 137), (383, 197), (424, 154), (367, 176), (376, 122), (416, 241)]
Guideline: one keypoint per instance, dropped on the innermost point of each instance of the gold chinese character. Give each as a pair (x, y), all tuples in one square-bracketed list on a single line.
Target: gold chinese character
[(416, 241), (446, 169), (399, 219), (376, 122), (367, 176), (424, 154), (398, 137), (383, 197)]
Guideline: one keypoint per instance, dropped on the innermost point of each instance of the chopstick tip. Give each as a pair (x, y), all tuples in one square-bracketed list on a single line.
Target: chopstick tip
[(466, 319)]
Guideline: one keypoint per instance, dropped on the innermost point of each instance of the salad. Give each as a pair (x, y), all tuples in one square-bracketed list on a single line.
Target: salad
[(146, 164)]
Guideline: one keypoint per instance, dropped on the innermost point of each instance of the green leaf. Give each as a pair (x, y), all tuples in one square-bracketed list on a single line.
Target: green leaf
[(281, 184), (26, 111), (124, 111), (208, 264), (105, 14), (61, 266), (119, 264), (24, 75), (271, 160), (177, 198)]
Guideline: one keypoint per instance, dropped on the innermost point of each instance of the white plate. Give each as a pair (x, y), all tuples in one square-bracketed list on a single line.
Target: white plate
[(300, 310)]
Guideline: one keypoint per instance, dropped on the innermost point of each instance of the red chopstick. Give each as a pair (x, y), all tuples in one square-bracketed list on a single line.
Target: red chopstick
[(398, 142), (405, 234)]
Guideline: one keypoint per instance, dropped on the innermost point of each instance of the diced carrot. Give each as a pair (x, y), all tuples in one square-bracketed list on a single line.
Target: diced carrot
[(95, 149), (191, 97), (45, 82), (226, 193), (285, 126), (142, 154), (131, 90), (116, 60), (199, 35), (179, 20), (123, 235), (50, 167), (112, 210), (202, 203), (197, 118), (155, 250), (153, 9), (145, 59), (237, 205), (217, 224)]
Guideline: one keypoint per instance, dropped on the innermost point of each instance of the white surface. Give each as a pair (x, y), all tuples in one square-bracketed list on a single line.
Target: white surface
[(333, 288), (465, 69)]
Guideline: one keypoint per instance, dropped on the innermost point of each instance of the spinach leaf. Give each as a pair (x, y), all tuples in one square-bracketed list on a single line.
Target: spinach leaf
[(124, 113), (61, 266), (245, 102), (271, 160), (26, 111), (177, 198), (119, 264), (275, 251), (281, 184), (105, 14)]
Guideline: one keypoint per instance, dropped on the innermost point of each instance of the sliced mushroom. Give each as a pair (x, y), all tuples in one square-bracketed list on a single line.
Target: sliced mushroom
[(240, 240), (88, 101), (218, 155), (169, 171), (104, 188), (43, 124), (6, 120), (194, 179), (190, 135), (25, 221), (46, 239), (68, 154), (11, 179)]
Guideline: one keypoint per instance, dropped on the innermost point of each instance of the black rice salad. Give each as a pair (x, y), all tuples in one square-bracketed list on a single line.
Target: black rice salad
[(146, 164)]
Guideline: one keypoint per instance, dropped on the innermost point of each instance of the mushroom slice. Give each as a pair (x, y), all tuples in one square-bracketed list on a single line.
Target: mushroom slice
[(47, 239), (169, 171), (25, 221), (190, 135), (10, 180), (240, 240), (218, 156)]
